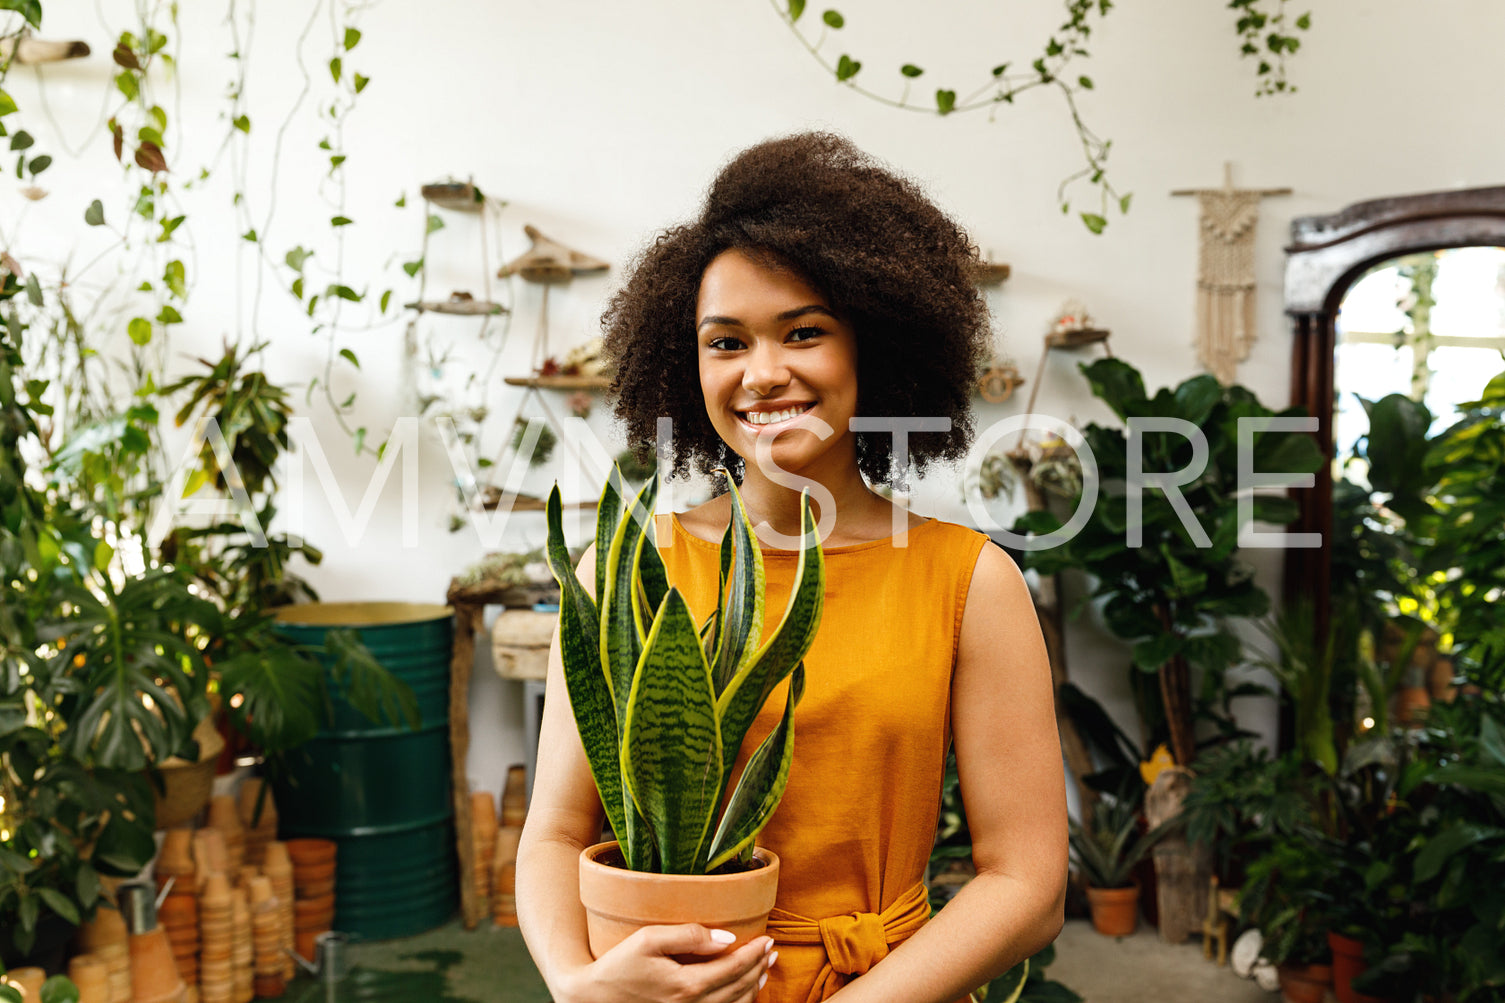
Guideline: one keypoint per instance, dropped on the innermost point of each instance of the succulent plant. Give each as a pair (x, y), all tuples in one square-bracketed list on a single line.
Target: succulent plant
[(662, 706)]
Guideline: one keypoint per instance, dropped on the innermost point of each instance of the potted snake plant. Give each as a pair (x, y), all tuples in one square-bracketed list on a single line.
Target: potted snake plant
[(662, 704)]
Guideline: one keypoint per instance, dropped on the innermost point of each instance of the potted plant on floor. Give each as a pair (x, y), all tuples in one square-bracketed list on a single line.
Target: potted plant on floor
[(1288, 897), (1106, 848), (661, 704)]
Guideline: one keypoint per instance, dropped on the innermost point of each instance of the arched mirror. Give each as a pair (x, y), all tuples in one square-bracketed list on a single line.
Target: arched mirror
[(1394, 296)]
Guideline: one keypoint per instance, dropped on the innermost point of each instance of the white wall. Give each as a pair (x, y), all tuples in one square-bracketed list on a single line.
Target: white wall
[(601, 122)]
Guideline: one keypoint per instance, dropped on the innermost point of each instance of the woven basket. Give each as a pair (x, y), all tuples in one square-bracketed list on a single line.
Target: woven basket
[(187, 785)]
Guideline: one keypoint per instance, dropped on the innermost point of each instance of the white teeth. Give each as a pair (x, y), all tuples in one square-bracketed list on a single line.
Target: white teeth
[(774, 417)]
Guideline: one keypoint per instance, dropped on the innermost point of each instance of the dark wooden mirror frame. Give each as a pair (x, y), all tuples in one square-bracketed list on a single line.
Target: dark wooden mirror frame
[(1326, 256)]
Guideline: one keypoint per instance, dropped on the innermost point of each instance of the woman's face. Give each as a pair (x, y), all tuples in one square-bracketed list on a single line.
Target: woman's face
[(774, 358)]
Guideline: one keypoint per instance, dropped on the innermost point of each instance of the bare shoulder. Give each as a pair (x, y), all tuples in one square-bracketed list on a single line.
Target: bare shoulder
[(999, 602)]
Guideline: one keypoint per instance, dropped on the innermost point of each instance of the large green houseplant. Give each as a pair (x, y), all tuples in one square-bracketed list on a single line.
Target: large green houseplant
[(1171, 592), (662, 704)]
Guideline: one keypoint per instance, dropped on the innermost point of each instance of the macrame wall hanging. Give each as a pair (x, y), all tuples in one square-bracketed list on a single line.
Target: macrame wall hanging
[(1225, 273)]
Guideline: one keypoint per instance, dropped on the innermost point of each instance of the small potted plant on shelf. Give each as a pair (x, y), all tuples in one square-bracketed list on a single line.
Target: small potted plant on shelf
[(661, 704), (1106, 848)]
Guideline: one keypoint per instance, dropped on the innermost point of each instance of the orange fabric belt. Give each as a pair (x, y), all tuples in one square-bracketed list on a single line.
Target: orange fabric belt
[(854, 942)]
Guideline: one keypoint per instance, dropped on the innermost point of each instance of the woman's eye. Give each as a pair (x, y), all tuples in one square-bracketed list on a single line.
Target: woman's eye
[(804, 333), (724, 344)]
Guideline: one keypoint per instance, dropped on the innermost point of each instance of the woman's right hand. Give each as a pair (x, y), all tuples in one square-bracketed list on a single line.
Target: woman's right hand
[(643, 969)]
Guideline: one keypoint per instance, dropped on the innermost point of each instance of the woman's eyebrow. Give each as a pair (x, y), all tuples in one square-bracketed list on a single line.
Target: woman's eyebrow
[(798, 311)]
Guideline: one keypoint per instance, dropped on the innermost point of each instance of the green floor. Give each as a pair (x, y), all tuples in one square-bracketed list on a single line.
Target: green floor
[(448, 965)]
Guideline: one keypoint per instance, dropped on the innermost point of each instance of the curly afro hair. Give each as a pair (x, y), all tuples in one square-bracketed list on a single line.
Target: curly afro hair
[(886, 259)]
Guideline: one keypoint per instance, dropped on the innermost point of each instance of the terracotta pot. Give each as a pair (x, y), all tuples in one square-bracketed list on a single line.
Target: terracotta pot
[(310, 851), (1305, 983), (154, 973), (28, 982), (307, 874), (1348, 964), (618, 901), (1115, 911), (314, 889)]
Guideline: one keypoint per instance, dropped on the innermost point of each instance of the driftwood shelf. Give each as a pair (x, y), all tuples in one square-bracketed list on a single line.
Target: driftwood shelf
[(459, 308), (459, 196), (561, 382), (989, 273)]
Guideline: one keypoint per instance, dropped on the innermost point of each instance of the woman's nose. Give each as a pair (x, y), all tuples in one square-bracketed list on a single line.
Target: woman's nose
[(766, 370)]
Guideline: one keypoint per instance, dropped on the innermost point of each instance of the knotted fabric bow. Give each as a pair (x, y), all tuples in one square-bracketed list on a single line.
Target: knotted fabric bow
[(854, 942)]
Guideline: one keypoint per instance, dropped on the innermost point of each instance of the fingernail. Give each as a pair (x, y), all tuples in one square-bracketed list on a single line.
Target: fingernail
[(723, 936), (772, 958), (762, 979), (767, 945)]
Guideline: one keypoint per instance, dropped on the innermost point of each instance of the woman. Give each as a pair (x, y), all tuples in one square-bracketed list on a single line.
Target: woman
[(815, 288)]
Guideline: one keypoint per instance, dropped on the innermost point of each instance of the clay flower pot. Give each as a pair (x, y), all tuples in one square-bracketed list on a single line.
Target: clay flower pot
[(1115, 911), (618, 901), (1348, 964), (1305, 983), (310, 852)]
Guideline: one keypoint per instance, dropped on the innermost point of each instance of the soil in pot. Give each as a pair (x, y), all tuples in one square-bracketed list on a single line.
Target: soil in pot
[(1115, 911), (618, 901), (1305, 983)]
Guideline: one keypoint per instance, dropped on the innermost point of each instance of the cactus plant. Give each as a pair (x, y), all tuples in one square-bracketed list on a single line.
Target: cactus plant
[(662, 706)]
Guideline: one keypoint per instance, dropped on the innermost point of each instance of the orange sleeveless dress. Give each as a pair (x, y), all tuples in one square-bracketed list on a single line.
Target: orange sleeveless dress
[(857, 822)]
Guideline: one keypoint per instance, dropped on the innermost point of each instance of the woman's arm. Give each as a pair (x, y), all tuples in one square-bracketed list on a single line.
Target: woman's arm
[(564, 817), (1008, 757)]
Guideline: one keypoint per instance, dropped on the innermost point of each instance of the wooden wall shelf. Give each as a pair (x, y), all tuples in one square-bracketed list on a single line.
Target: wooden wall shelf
[(459, 308), (561, 382)]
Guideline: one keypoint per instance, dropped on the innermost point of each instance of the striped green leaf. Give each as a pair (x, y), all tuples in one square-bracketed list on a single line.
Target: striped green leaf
[(761, 785), (651, 581), (608, 514), (742, 609), (621, 644), (590, 697), (740, 702), (671, 746)]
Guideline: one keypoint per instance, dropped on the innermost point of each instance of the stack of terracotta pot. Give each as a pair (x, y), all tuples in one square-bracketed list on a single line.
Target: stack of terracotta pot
[(504, 852), (483, 828), (278, 868), (209, 854), (225, 816), (91, 976), (217, 941), (313, 886), (175, 861), (178, 916), (264, 829), (242, 949), (266, 940), (504, 876), (104, 939), (515, 796)]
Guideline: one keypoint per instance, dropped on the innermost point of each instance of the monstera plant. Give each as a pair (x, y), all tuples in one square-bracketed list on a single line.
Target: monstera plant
[(662, 704)]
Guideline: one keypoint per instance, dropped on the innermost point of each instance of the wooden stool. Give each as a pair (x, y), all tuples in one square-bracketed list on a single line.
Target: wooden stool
[(1215, 926)]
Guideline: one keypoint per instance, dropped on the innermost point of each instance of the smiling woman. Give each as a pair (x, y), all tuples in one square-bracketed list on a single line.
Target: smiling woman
[(816, 292)]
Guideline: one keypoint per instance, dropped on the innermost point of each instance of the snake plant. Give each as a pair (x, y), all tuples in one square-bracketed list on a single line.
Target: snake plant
[(662, 706)]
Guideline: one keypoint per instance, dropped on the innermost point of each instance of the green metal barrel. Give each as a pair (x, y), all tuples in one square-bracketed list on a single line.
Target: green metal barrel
[(382, 793)]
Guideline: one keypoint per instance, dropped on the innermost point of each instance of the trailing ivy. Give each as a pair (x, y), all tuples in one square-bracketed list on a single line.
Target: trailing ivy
[(1267, 34)]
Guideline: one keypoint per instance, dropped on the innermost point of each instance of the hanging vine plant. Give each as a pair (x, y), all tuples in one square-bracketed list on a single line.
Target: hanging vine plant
[(1263, 27)]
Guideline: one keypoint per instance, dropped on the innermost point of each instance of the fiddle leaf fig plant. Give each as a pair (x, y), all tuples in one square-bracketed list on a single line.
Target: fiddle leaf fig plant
[(662, 706)]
